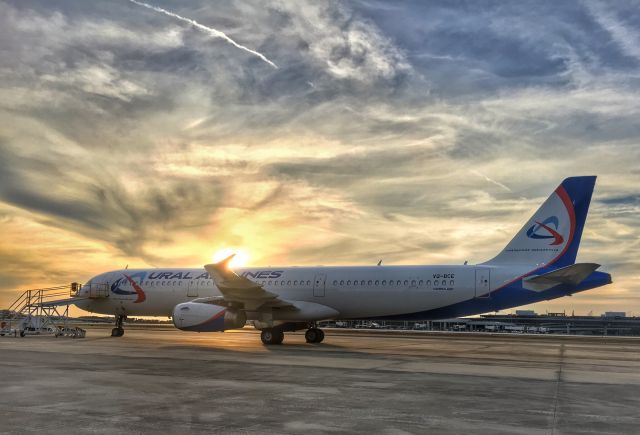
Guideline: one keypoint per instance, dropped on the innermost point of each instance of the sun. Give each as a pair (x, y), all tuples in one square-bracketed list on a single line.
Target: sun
[(241, 259)]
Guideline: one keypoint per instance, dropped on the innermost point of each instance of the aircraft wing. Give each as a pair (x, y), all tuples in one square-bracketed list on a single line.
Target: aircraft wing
[(238, 291), (570, 275)]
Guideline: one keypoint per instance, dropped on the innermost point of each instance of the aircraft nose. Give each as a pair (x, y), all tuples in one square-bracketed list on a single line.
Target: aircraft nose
[(83, 304)]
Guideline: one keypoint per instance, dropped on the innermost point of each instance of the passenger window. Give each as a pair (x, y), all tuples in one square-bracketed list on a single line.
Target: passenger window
[(308, 282), (420, 283), (391, 282), (399, 282), (288, 282), (413, 283), (451, 283), (384, 282), (269, 282), (435, 282), (362, 282), (335, 282), (295, 282), (341, 282), (355, 282), (377, 282), (370, 282), (406, 282)]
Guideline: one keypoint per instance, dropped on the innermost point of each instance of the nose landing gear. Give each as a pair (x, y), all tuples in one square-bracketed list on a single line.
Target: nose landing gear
[(118, 331)]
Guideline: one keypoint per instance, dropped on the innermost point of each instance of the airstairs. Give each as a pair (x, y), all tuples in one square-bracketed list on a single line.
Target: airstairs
[(45, 311)]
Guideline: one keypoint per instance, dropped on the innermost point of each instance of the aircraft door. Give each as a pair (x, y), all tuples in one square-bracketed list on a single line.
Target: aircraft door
[(192, 290), (318, 284), (483, 282)]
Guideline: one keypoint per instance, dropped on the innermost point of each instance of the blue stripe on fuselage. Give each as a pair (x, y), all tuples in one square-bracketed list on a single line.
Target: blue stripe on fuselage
[(506, 297)]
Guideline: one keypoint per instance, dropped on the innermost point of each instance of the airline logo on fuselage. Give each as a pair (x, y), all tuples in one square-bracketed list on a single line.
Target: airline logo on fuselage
[(543, 230), (137, 290)]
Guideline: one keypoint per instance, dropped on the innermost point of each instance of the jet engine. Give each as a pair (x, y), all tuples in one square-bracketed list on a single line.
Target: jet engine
[(202, 317)]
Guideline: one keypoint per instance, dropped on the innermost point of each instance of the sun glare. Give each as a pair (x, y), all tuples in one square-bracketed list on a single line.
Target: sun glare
[(241, 259)]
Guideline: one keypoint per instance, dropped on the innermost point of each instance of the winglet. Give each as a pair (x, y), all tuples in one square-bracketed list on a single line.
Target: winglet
[(224, 277), (221, 271), (225, 263)]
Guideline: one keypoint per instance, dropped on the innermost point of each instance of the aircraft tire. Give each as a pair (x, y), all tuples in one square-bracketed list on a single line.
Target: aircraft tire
[(314, 335), (117, 332), (272, 336)]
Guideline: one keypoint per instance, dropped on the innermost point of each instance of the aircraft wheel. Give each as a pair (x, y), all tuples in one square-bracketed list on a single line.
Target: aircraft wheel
[(272, 336), (117, 332), (314, 335)]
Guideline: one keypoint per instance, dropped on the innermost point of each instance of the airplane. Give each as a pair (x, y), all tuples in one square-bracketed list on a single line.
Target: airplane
[(537, 264)]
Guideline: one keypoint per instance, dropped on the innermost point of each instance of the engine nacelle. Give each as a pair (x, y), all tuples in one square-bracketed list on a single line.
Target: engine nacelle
[(201, 317)]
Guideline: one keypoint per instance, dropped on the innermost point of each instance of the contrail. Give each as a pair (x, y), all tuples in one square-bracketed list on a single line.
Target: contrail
[(211, 31), (497, 183)]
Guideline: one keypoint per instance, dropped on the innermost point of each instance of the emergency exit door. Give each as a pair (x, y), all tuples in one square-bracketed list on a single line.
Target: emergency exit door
[(318, 284), (483, 282)]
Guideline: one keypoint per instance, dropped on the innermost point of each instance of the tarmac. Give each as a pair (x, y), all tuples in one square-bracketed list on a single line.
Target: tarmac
[(160, 379)]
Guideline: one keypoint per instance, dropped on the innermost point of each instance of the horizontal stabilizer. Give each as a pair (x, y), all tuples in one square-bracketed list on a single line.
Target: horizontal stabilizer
[(569, 275)]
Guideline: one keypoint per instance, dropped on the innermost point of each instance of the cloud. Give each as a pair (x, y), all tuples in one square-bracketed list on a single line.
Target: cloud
[(349, 48), (416, 133), (626, 38)]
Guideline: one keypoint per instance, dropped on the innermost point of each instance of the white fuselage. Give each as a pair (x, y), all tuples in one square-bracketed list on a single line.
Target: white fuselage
[(354, 292)]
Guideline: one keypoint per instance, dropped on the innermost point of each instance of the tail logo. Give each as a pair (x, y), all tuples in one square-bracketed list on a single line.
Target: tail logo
[(548, 232), (141, 296)]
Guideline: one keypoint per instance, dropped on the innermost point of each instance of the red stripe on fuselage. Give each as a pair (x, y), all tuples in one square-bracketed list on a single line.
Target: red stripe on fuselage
[(141, 296)]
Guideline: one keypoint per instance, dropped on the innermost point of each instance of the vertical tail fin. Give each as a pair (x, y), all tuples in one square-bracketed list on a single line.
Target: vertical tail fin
[(553, 233)]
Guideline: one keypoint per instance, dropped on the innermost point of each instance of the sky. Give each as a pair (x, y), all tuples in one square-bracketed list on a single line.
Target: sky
[(154, 134)]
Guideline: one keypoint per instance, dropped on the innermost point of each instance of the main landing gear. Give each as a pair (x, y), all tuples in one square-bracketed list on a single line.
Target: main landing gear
[(314, 335), (276, 335), (118, 331), (272, 336)]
